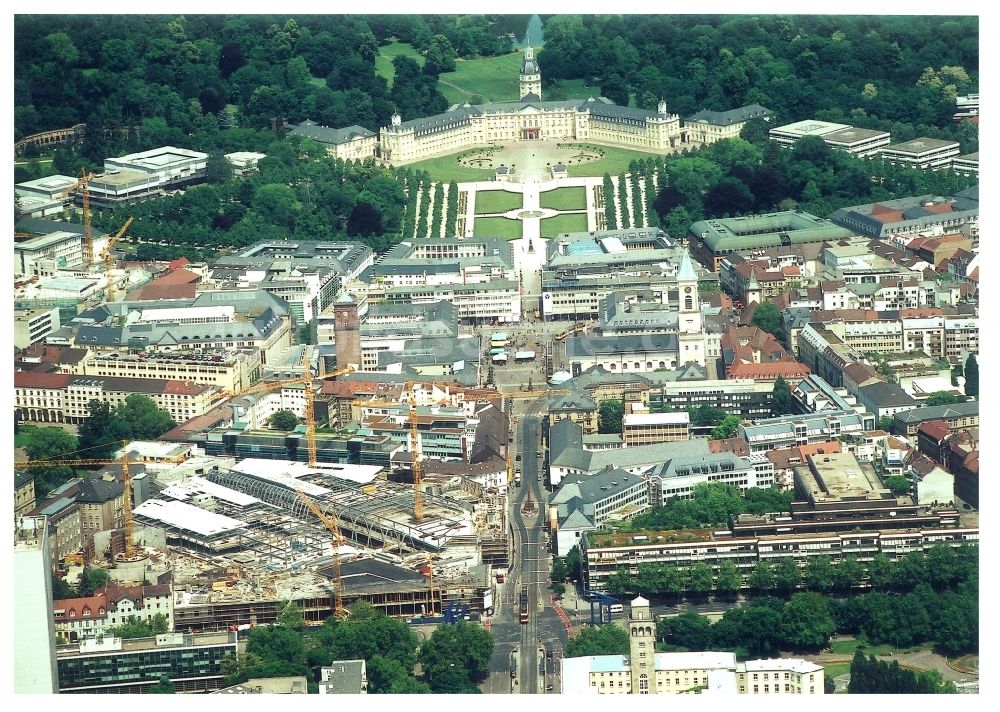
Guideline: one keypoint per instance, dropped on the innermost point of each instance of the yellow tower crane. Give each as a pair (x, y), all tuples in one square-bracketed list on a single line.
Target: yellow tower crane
[(306, 381), (109, 294), (330, 522), (88, 233), (413, 437), (128, 521)]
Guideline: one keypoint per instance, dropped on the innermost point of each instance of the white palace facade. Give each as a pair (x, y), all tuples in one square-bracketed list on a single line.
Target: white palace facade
[(530, 119)]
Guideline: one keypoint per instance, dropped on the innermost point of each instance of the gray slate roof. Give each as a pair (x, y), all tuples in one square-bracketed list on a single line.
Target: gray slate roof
[(938, 412), (577, 346), (733, 116), (325, 134)]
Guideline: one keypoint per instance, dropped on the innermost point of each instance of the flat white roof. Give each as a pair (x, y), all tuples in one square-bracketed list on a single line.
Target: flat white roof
[(612, 245), (192, 486), (657, 418), (810, 127), (187, 516), (245, 156), (576, 676), (43, 241), (282, 472), (156, 448), (55, 182), (160, 156), (707, 660), (524, 354), (790, 664), (177, 314)]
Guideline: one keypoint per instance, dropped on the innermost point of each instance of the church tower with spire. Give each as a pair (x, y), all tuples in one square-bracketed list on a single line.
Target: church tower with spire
[(642, 648), (690, 334), (531, 77)]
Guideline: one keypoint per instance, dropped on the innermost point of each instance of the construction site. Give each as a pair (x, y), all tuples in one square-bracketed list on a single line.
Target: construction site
[(246, 538)]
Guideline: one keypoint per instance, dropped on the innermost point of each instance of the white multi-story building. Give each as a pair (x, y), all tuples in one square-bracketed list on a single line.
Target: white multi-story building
[(33, 629), (922, 152), (229, 369), (33, 325)]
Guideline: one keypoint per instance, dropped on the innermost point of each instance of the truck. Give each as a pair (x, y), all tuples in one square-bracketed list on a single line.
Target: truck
[(517, 478), (524, 604)]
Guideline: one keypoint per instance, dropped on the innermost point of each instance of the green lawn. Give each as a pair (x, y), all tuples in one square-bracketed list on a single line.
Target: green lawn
[(318, 81), (567, 222), (614, 162), (497, 201), (21, 438), (383, 62), (564, 198), (493, 78), (446, 168), (497, 227)]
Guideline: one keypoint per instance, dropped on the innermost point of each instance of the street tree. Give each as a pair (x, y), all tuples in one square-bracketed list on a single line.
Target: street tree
[(767, 318), (972, 376), (787, 575), (456, 656), (608, 639), (609, 416), (284, 420), (727, 428), (781, 398), (818, 575)]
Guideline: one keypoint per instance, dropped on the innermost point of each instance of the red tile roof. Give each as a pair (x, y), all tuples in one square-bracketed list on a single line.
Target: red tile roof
[(178, 276), (936, 429), (30, 379), (791, 371), (185, 388), (153, 292), (73, 609)]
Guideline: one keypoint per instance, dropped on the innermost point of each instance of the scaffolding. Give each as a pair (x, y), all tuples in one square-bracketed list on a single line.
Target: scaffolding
[(383, 518)]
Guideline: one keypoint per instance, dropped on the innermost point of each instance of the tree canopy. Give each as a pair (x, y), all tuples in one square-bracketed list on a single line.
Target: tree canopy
[(608, 639), (609, 416), (972, 376), (284, 420)]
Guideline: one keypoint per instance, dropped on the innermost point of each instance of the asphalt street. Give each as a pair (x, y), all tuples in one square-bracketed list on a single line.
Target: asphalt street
[(533, 672)]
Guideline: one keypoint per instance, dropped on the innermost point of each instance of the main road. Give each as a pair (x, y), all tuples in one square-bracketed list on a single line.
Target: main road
[(521, 649)]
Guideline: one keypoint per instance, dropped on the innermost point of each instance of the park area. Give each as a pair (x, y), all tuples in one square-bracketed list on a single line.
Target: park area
[(497, 201), (447, 168), (504, 228), (614, 161), (566, 222), (574, 198)]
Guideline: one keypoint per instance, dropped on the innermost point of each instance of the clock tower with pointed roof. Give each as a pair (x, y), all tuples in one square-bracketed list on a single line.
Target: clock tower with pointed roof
[(531, 77)]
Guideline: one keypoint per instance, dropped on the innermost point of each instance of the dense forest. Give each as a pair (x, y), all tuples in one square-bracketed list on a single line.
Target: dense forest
[(213, 81), (893, 73), (216, 84), (173, 77)]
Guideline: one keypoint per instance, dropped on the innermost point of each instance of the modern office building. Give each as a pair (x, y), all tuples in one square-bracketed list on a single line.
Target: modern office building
[(33, 628), (192, 662), (33, 325), (648, 428), (922, 152), (907, 217), (714, 239)]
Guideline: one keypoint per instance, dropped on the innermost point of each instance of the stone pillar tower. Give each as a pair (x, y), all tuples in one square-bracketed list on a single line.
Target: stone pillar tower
[(690, 335), (347, 331), (753, 289), (531, 77), (642, 648)]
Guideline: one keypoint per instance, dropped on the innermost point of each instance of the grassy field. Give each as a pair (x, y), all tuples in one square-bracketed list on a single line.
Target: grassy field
[(614, 162), (574, 198), (497, 201), (446, 168), (21, 438), (569, 222), (493, 78), (383, 62), (497, 227)]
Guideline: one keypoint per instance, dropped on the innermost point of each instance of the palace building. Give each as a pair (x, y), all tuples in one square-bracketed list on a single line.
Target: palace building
[(463, 126)]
